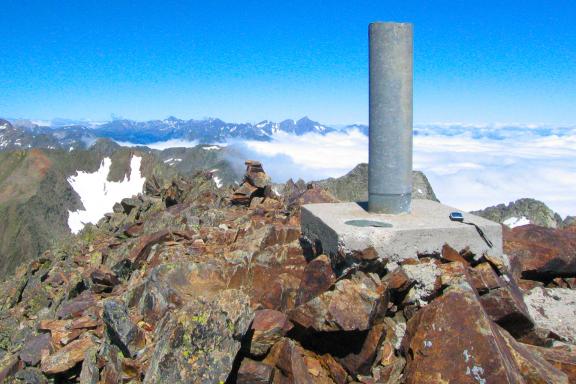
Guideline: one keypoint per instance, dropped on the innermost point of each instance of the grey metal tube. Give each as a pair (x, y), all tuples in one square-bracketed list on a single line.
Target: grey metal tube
[(390, 148)]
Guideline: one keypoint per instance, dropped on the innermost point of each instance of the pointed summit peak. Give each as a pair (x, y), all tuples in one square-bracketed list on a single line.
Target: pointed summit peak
[(305, 119)]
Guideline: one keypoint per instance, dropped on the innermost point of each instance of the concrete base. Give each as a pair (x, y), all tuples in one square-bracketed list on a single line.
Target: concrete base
[(423, 231)]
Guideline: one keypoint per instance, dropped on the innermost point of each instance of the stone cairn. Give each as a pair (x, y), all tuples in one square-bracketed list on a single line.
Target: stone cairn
[(256, 183)]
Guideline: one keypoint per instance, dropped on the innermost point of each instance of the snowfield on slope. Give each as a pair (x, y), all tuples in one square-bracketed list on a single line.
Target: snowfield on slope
[(98, 195), (514, 222)]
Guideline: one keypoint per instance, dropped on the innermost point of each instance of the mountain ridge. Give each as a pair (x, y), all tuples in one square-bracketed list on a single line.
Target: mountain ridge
[(27, 134)]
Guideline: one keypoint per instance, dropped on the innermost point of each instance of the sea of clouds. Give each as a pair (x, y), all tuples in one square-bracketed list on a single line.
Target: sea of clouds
[(469, 167)]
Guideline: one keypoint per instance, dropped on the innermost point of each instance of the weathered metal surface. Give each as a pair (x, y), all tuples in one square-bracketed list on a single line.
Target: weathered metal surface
[(390, 148)]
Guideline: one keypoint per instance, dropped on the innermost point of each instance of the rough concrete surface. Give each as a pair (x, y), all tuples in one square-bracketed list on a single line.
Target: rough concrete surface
[(554, 309), (423, 231)]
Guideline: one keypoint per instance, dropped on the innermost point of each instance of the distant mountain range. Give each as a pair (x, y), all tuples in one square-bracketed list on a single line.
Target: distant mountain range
[(19, 134)]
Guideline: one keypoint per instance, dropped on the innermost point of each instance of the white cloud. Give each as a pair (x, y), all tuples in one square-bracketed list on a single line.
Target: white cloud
[(161, 145), (468, 167)]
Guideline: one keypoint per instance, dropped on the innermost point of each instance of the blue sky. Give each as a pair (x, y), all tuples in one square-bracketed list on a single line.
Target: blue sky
[(475, 61)]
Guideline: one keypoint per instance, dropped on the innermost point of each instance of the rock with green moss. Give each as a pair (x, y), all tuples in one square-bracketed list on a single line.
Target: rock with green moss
[(199, 343)]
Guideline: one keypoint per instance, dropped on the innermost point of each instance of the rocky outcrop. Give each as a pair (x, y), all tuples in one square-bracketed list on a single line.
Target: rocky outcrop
[(352, 304), (478, 352), (199, 343), (522, 212), (354, 185), (541, 253), (184, 286), (267, 328)]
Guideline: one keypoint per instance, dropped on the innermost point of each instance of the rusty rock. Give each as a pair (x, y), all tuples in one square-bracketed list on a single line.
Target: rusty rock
[(532, 366), (105, 278), (254, 372), (351, 305), (472, 355), (450, 254), (67, 357), (483, 278), (360, 362), (267, 328), (318, 277), (397, 280), (543, 253), (140, 252), (294, 364), (505, 306), (562, 358)]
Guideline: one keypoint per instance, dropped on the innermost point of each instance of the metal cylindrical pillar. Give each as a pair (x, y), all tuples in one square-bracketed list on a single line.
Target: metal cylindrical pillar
[(390, 148)]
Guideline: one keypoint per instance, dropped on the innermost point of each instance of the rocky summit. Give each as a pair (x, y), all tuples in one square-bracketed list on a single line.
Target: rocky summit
[(196, 283)]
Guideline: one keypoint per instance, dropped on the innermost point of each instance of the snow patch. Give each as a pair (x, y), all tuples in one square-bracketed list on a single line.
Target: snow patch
[(514, 222), (216, 179), (211, 148), (98, 195)]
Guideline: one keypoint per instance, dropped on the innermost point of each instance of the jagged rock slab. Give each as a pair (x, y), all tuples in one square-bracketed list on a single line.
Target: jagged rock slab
[(67, 357), (122, 332), (542, 253), (453, 340), (352, 305)]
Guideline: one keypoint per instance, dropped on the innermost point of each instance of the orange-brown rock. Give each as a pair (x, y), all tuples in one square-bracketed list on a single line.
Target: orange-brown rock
[(255, 174), (483, 278), (505, 306), (450, 254), (318, 277), (543, 253), (350, 305), (296, 365), (103, 279), (532, 366), (360, 362), (397, 280), (454, 273), (142, 248), (562, 358), (67, 357), (256, 184), (267, 328), (452, 340), (254, 372)]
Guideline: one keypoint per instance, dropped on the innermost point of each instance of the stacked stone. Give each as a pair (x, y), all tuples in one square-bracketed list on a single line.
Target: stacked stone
[(255, 184)]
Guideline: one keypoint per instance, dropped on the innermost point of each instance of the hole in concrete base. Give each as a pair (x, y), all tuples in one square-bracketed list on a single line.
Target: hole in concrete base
[(368, 223)]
